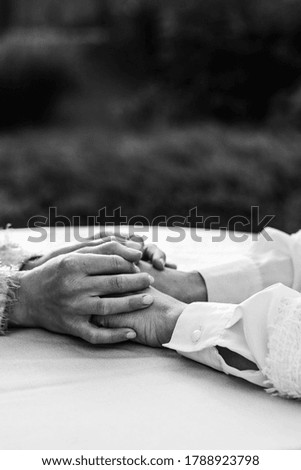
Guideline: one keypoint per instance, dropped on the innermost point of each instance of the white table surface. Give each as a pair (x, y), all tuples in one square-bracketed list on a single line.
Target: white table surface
[(58, 392)]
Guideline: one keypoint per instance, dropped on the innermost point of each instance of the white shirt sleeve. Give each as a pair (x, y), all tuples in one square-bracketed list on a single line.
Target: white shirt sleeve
[(265, 329), (274, 257)]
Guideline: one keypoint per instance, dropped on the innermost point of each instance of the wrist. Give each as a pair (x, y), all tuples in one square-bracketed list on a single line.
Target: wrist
[(172, 317), (196, 290)]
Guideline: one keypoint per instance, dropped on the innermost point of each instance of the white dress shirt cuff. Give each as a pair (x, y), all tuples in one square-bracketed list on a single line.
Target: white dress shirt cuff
[(203, 326)]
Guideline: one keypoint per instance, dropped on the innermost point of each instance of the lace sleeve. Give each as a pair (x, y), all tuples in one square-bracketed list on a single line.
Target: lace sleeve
[(12, 257), (8, 288)]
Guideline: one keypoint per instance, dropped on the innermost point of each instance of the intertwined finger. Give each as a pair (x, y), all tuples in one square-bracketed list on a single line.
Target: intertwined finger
[(69, 248), (94, 265), (155, 255), (111, 306), (171, 265), (113, 247), (134, 245), (95, 335), (136, 242), (103, 234), (116, 284)]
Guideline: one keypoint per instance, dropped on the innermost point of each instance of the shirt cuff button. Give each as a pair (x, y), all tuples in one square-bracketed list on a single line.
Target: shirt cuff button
[(196, 335)]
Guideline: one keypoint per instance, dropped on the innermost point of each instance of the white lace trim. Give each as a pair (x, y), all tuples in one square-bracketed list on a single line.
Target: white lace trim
[(4, 276), (12, 256), (283, 364)]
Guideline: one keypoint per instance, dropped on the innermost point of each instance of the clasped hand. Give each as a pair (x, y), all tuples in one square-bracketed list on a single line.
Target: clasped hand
[(63, 292), (97, 292)]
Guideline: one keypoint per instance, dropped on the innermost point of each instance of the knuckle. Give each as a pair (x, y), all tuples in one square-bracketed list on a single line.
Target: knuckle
[(99, 307), (92, 337), (119, 282), (113, 244), (102, 308), (66, 288), (67, 263), (133, 303), (116, 262), (65, 279)]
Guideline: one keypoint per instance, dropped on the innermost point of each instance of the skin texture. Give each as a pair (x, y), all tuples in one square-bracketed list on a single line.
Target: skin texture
[(157, 258), (63, 293), (185, 286), (71, 285), (151, 253), (154, 325), (61, 290)]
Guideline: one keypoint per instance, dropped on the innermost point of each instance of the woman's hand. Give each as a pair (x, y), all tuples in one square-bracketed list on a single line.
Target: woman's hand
[(150, 252), (62, 294), (156, 257), (89, 246), (154, 326)]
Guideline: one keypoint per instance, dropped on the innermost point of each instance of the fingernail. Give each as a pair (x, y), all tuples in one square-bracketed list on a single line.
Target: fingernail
[(136, 252), (151, 279), (131, 335), (136, 268), (161, 262), (147, 299)]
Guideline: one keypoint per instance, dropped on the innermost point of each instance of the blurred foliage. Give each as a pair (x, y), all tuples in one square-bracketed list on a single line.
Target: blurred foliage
[(230, 60), (32, 81), (178, 104), (221, 170)]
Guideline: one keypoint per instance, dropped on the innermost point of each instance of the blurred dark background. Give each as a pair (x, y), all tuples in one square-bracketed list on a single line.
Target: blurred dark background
[(154, 106)]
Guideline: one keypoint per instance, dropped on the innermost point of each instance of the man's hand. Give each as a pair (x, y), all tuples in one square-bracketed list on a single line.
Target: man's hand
[(62, 294), (185, 286), (154, 326)]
